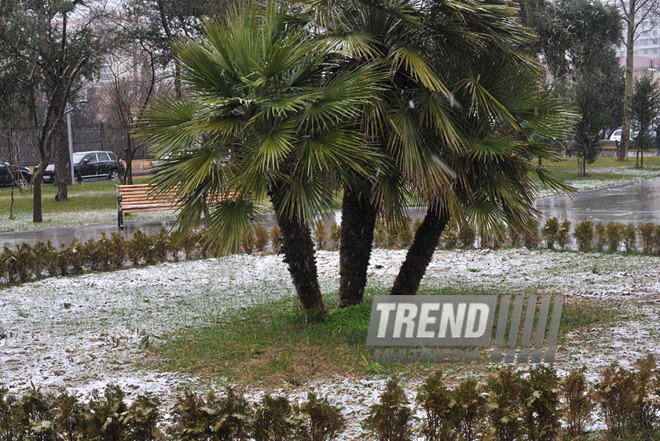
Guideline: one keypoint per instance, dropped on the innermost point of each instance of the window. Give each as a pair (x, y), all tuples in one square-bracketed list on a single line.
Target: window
[(103, 157), (90, 158)]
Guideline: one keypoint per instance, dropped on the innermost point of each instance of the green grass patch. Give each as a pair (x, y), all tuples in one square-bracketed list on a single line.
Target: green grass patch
[(603, 169), (88, 196), (270, 344), (583, 315)]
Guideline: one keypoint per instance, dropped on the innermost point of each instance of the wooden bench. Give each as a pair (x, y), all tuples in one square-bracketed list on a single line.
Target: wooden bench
[(140, 198)]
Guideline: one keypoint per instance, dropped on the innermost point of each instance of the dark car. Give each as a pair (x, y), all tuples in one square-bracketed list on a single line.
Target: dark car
[(91, 165), (49, 174), (22, 175)]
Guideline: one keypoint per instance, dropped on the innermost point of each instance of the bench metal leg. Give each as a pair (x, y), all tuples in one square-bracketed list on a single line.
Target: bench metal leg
[(120, 218)]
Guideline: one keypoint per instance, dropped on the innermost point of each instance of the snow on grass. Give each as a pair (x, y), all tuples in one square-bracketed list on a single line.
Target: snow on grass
[(85, 332), (23, 220), (621, 175)]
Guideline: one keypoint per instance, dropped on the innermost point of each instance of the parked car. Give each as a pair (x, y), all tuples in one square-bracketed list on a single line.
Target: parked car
[(616, 135), (22, 174), (91, 165), (49, 174)]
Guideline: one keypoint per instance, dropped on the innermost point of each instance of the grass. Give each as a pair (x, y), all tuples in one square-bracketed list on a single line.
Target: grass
[(88, 196), (269, 344), (582, 315), (567, 168)]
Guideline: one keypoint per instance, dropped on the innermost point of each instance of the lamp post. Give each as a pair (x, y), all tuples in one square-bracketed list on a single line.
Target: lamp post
[(68, 111)]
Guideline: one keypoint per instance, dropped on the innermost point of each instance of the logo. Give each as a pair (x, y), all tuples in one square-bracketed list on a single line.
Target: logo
[(526, 329)]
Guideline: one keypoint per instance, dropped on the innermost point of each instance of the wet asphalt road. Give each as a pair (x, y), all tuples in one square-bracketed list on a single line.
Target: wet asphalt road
[(637, 203)]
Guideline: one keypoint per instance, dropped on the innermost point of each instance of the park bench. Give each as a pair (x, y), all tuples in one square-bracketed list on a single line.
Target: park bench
[(139, 198)]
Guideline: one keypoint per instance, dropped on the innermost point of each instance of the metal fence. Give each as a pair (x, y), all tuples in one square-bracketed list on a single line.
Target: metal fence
[(85, 138)]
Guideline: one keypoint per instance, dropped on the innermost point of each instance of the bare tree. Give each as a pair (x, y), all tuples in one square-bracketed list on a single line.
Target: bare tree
[(635, 14), (13, 159), (47, 126)]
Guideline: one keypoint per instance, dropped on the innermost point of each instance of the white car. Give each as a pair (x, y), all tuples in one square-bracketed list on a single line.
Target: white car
[(616, 135)]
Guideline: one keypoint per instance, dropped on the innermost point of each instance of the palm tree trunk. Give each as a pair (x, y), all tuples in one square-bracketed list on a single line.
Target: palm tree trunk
[(298, 250), (421, 251), (358, 220)]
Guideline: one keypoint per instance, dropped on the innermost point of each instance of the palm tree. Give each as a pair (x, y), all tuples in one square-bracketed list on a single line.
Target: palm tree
[(265, 115), (508, 119), (421, 123)]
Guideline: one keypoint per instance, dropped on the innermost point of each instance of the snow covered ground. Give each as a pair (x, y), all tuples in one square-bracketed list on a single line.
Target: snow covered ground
[(84, 332)]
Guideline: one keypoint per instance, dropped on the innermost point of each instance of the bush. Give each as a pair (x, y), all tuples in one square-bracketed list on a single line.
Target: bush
[(564, 234), (466, 235), (392, 236), (531, 234), (261, 238), (248, 241), (470, 411), (504, 404), (273, 420), (321, 421), (614, 394), (600, 236), (646, 400), (646, 232), (578, 403), (106, 419), (275, 235), (390, 419), (540, 411), (655, 249), (416, 224), (436, 401), (449, 238), (10, 428), (614, 232), (630, 237), (320, 235), (380, 234), (210, 418), (117, 250), (514, 235), (74, 256), (335, 236), (405, 235), (550, 231), (584, 235)]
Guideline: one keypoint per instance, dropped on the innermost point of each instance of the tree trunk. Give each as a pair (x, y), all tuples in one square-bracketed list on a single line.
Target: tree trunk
[(627, 97), (37, 179), (298, 250), (358, 220), (62, 166), (421, 251), (129, 151)]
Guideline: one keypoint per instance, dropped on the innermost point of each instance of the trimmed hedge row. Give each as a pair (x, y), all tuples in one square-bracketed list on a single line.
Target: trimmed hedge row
[(47, 417), (508, 406), (537, 406), (26, 263)]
